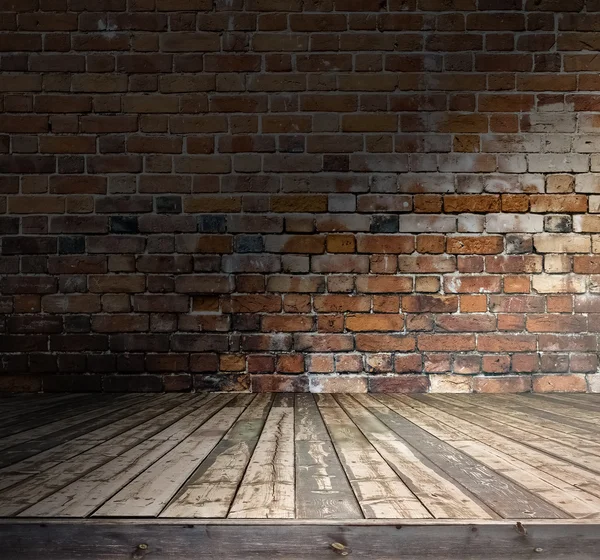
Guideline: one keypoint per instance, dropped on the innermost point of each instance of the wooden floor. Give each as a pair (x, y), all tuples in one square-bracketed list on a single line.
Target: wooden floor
[(329, 457)]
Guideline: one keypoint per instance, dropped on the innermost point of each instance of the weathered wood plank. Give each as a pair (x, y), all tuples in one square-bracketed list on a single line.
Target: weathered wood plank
[(570, 499), (501, 495), (45, 460), (188, 540), (322, 489), (587, 459), (441, 496), (212, 488), (29, 424), (531, 423), (563, 470), (39, 486), (150, 492), (267, 489), (590, 417), (379, 490), (81, 497), (110, 414)]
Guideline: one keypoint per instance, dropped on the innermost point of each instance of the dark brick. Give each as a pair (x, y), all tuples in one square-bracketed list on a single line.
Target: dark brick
[(168, 204), (71, 245), (213, 223), (384, 223), (123, 224)]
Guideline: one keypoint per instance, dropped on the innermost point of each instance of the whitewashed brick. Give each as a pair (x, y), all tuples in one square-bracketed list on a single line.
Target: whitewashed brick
[(295, 263), (556, 143), (554, 264), (425, 183), (594, 204), (511, 143), (514, 223), (342, 203), (551, 284), (423, 162), (415, 223), (593, 381), (450, 384), (471, 223), (550, 122), (587, 144), (552, 163), (561, 243), (343, 222), (384, 203), (587, 183), (512, 163), (468, 163)]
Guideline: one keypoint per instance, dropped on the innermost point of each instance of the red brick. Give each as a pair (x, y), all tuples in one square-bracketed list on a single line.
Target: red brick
[(399, 384), (503, 384), (559, 383)]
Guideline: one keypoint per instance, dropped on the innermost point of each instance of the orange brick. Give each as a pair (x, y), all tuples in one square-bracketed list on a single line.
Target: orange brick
[(341, 243), (481, 245), (511, 322), (386, 304), (373, 322), (515, 203), (433, 244), (573, 203), (559, 304), (330, 323), (517, 284), (471, 203), (473, 303), (290, 363), (559, 383), (428, 203), (232, 362)]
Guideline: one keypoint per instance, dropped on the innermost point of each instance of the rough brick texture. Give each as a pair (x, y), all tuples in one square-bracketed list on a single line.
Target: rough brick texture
[(268, 195)]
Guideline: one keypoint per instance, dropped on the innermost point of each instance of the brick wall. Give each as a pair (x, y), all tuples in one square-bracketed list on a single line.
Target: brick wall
[(384, 195)]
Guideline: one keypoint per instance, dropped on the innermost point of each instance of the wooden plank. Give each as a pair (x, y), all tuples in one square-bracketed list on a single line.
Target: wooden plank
[(589, 417), (562, 470), (47, 459), (27, 419), (378, 489), (35, 404), (554, 431), (587, 399), (31, 491), (504, 497), (150, 492), (35, 446), (83, 496), (585, 459), (188, 540), (441, 496), (211, 489), (322, 489), (571, 401), (520, 405), (72, 418), (570, 499), (267, 488)]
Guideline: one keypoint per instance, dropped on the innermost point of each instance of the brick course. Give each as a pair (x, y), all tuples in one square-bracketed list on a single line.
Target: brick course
[(288, 196)]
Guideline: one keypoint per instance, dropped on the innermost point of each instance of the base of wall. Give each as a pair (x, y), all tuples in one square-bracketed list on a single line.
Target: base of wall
[(260, 383)]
